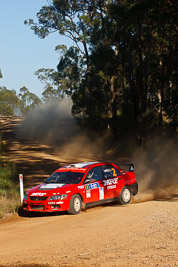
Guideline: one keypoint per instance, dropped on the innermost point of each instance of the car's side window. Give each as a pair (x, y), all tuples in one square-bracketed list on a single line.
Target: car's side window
[(93, 175), (109, 172)]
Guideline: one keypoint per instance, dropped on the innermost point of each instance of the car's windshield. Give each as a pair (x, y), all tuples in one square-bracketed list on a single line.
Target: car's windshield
[(68, 177)]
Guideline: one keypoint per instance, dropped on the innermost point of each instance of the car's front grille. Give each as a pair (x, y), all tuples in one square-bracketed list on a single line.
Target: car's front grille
[(37, 207), (38, 198)]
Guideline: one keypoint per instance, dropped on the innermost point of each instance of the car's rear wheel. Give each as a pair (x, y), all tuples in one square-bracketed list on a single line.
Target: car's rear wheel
[(75, 205), (125, 196)]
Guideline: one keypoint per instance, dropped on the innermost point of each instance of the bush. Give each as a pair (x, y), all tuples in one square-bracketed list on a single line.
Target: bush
[(9, 195)]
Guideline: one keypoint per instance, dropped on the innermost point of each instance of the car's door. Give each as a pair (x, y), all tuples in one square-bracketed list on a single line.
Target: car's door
[(93, 190), (112, 181)]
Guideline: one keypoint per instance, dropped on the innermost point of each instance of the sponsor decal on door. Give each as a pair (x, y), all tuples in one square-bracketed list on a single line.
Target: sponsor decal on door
[(101, 193)]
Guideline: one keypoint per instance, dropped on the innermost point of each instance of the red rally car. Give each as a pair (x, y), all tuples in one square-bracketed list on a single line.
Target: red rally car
[(87, 183)]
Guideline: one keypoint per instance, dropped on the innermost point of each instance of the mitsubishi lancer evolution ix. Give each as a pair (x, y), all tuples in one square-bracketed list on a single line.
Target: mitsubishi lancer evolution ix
[(87, 184)]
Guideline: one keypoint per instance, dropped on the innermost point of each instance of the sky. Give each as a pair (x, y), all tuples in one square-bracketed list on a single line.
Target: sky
[(21, 51)]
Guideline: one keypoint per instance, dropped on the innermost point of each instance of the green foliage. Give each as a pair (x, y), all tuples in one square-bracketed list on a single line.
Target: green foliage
[(8, 101), (61, 48), (12, 104), (0, 74), (28, 100), (7, 178), (53, 89), (9, 193)]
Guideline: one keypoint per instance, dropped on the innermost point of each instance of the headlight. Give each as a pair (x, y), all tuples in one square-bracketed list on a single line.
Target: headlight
[(64, 196), (26, 197), (56, 197)]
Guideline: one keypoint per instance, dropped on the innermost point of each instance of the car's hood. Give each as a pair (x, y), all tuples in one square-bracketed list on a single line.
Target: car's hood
[(50, 186), (49, 189)]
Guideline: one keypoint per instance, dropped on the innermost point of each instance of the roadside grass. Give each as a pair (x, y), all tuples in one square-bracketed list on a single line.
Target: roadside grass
[(9, 192)]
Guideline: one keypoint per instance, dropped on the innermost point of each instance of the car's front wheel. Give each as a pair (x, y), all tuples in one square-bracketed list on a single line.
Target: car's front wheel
[(75, 205), (125, 196)]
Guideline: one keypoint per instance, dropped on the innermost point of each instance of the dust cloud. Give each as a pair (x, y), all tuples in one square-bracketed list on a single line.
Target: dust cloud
[(50, 123), (86, 147), (156, 166), (156, 170)]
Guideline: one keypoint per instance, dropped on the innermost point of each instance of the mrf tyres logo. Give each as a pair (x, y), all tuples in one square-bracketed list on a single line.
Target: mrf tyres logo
[(38, 194)]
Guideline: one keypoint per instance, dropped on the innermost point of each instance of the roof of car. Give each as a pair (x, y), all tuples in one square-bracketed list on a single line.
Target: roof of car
[(82, 166)]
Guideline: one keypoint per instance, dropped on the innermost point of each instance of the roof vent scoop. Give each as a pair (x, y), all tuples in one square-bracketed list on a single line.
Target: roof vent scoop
[(72, 166)]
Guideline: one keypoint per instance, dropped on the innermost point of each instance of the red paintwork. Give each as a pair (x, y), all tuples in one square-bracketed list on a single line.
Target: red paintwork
[(125, 178)]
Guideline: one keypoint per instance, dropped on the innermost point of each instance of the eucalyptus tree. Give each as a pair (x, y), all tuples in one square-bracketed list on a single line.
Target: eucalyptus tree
[(121, 68), (145, 35), (9, 102), (79, 21), (27, 100)]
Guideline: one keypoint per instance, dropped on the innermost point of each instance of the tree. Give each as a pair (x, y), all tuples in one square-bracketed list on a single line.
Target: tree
[(27, 100), (0, 74), (9, 102), (121, 70)]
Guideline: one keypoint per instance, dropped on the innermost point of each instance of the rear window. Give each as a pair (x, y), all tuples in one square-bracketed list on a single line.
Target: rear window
[(68, 177), (110, 172)]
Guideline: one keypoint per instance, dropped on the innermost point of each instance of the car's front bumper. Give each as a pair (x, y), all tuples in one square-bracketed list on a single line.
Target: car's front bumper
[(45, 206)]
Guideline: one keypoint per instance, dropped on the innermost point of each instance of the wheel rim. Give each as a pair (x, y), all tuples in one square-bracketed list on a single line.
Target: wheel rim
[(126, 195), (77, 204)]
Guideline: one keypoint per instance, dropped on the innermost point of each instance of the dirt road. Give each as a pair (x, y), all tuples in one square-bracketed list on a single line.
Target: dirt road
[(139, 234), (144, 234)]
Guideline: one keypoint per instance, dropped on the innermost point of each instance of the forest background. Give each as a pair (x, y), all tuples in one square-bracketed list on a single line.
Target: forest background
[(120, 70)]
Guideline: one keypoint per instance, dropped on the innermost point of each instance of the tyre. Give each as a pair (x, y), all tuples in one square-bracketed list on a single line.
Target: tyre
[(125, 196), (75, 205)]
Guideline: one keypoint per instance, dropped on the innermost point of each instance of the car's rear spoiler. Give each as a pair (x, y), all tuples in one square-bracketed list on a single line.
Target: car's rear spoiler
[(131, 166)]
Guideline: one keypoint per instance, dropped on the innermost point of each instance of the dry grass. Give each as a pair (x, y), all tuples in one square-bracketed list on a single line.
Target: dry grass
[(9, 205)]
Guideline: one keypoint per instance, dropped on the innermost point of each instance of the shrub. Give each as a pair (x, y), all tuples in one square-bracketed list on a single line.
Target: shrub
[(9, 195)]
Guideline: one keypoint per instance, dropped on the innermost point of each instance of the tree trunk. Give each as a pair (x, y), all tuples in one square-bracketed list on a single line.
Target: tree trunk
[(140, 78), (161, 94)]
